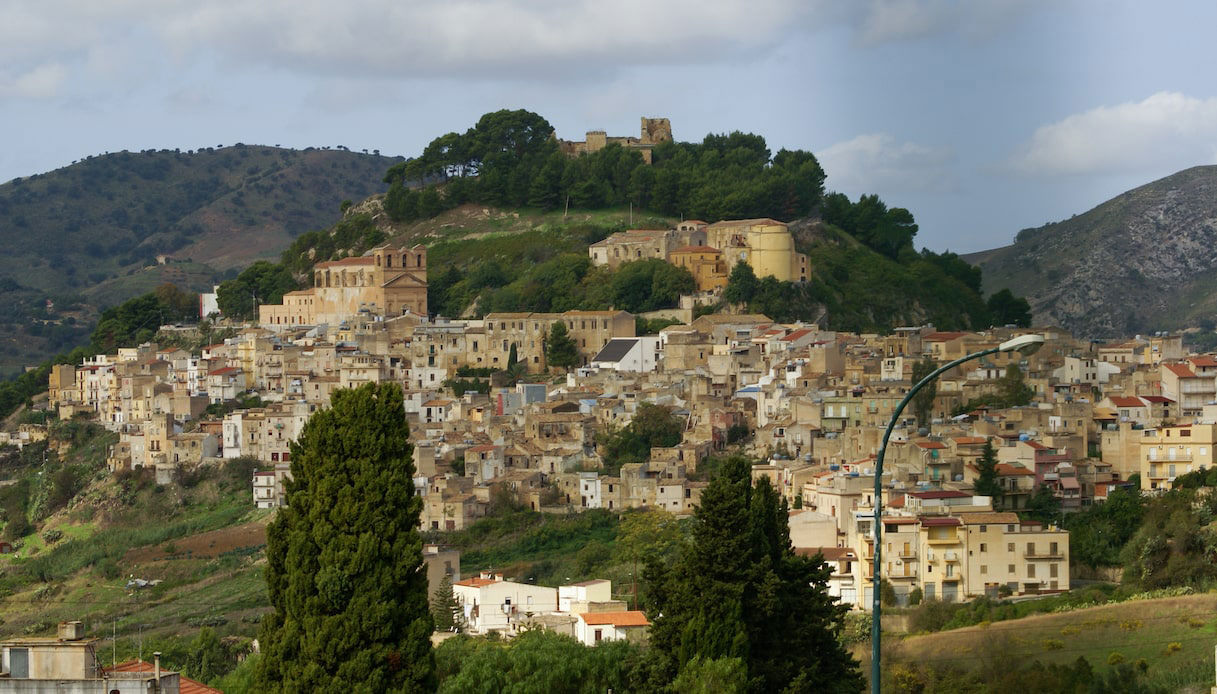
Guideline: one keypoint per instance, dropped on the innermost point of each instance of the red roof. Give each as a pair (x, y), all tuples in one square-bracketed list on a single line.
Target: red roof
[(1180, 370), (795, 335), (1205, 361), (943, 337), (930, 444), (696, 249), (629, 618), (224, 371), (1120, 401), (1037, 445), (484, 448), (969, 440), (1007, 470), (1156, 398), (187, 685)]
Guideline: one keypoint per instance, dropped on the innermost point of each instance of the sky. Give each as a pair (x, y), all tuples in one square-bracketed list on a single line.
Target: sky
[(982, 117)]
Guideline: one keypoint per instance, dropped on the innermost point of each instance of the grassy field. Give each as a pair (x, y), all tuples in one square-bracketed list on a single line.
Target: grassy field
[(1174, 636)]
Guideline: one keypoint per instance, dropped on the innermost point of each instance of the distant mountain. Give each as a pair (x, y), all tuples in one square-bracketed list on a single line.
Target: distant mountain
[(1140, 262), (89, 234)]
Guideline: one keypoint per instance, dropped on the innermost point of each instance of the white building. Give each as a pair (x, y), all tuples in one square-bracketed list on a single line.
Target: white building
[(593, 627), (632, 354), (492, 604)]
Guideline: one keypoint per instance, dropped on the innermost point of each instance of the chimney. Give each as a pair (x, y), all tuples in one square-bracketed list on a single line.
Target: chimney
[(156, 668)]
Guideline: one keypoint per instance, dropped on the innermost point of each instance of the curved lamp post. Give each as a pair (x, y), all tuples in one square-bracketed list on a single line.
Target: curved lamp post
[(1025, 345)]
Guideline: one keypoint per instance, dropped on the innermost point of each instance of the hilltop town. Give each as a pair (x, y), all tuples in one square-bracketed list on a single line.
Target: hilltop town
[(491, 414)]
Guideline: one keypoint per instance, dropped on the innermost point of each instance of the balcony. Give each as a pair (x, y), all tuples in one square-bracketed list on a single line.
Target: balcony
[(945, 540), (1044, 556), (953, 578)]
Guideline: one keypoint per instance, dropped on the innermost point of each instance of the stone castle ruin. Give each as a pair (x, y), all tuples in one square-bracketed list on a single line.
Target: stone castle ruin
[(654, 131)]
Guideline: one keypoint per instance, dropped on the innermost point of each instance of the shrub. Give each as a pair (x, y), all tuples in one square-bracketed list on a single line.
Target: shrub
[(1115, 658), (1053, 644)]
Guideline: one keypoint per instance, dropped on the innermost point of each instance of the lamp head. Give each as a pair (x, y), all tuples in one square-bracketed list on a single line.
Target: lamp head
[(1025, 345)]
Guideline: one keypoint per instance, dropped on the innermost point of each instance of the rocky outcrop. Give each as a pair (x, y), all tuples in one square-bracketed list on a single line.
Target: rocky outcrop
[(1140, 262)]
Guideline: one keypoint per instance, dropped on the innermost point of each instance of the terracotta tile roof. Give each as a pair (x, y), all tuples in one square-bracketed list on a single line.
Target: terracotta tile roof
[(795, 335), (1180, 370), (830, 553), (943, 337), (937, 445), (187, 685), (1120, 401), (1156, 398), (1037, 445), (1006, 470), (1205, 361), (629, 618), (696, 249)]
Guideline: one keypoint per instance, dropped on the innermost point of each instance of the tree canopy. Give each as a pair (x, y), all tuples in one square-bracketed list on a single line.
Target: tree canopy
[(653, 426), (510, 158), (263, 283), (344, 557)]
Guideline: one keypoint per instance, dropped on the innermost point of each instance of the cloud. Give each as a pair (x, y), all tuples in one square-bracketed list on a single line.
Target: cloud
[(1168, 130), (878, 163), (414, 39), (42, 82)]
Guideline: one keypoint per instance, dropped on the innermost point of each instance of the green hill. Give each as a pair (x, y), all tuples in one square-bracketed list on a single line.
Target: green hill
[(88, 235)]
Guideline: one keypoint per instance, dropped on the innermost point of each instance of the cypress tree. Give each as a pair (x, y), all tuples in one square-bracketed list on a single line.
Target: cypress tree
[(986, 477), (739, 591), (344, 558)]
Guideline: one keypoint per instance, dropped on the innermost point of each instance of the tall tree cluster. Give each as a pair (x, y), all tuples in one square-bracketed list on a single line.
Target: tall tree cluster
[(509, 158), (344, 557), (739, 592)]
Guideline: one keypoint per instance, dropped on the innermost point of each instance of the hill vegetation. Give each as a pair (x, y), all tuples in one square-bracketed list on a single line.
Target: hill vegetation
[(87, 236)]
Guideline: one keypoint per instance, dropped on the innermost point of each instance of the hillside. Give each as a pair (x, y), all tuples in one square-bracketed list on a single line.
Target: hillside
[(88, 235), (1174, 636), (1140, 262)]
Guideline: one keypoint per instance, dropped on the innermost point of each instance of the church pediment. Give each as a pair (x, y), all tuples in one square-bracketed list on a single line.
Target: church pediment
[(404, 280)]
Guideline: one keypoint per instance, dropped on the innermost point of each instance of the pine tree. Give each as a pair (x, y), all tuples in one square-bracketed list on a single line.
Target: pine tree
[(739, 591), (560, 349), (986, 478), (344, 558), (446, 609)]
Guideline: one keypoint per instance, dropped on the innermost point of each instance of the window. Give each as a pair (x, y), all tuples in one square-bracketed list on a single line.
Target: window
[(1052, 570), (1031, 571), (984, 528), (1010, 569), (597, 636), (984, 569), (1009, 546), (1030, 549), (984, 547)]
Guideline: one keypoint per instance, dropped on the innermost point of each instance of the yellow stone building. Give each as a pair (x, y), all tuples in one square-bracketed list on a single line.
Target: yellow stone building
[(765, 244), (388, 282), (705, 263)]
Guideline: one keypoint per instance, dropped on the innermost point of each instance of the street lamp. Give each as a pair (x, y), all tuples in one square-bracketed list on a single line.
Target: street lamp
[(1024, 345)]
